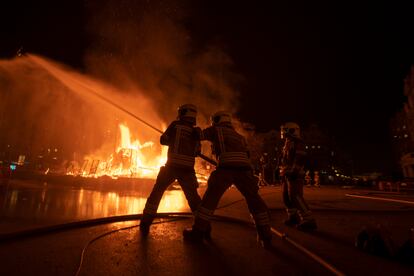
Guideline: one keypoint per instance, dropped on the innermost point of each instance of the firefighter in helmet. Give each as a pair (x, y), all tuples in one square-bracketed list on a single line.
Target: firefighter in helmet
[(234, 167), (183, 141), (292, 176)]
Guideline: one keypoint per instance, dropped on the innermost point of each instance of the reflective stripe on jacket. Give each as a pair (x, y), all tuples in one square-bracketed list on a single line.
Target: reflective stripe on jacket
[(182, 143), (228, 145)]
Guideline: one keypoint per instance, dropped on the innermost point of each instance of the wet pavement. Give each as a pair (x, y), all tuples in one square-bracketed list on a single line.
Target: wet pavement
[(234, 250), (25, 204)]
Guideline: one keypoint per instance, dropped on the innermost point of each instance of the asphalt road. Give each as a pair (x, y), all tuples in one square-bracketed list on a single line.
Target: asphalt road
[(234, 250)]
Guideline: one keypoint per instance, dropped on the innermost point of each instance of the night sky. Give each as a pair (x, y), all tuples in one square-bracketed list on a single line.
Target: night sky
[(340, 64)]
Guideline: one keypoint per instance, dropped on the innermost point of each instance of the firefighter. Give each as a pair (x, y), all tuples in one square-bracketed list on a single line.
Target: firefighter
[(292, 177), (316, 180), (183, 141), (234, 167)]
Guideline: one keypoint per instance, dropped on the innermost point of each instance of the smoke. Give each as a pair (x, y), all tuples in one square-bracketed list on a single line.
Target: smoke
[(47, 109), (145, 46), (37, 111), (141, 56)]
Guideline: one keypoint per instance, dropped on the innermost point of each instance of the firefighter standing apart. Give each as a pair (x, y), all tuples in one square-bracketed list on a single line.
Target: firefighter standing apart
[(183, 141), (292, 177), (234, 167)]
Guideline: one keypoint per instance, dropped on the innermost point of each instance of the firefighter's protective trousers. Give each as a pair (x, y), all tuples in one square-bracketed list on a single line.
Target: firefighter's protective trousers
[(186, 178), (292, 186), (220, 180)]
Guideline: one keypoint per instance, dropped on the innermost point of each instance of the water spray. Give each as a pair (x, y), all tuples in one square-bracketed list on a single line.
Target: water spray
[(42, 64)]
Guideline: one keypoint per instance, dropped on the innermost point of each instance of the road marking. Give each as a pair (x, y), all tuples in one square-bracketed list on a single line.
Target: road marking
[(312, 255), (382, 199)]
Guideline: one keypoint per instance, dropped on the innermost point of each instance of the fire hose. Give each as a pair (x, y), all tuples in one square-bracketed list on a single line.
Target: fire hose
[(331, 268), (170, 216), (202, 156), (41, 63), (206, 158)]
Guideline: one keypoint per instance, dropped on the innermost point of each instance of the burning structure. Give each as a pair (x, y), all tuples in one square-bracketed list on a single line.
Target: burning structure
[(130, 158), (120, 152), (55, 118), (81, 136)]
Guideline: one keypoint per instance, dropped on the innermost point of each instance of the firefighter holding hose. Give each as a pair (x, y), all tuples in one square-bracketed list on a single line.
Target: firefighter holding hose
[(234, 167), (183, 141)]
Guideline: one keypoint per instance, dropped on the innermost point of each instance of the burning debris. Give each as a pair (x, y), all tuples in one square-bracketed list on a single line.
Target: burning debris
[(130, 158), (70, 124)]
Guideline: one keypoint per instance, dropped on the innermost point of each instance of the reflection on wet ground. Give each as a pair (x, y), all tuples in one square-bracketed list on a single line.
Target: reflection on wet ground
[(28, 203)]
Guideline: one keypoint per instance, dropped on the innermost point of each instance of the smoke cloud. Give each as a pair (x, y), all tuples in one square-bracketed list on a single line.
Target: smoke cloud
[(141, 56), (145, 45)]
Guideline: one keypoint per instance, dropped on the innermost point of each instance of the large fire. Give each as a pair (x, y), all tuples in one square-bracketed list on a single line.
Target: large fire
[(131, 158), (79, 116)]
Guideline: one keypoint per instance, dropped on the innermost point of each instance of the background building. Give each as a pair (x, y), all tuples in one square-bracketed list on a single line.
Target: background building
[(402, 132), (323, 155)]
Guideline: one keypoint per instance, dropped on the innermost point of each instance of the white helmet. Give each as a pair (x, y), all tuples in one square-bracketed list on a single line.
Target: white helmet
[(221, 117), (187, 111), (290, 129)]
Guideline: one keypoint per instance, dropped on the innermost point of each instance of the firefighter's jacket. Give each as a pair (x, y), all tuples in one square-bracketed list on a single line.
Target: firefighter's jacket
[(229, 146), (293, 156), (183, 144)]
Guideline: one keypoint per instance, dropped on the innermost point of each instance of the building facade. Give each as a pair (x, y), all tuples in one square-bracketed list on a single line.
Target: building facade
[(323, 156), (402, 131)]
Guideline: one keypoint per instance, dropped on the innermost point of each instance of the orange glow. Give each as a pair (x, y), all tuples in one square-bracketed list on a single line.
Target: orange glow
[(134, 153), (110, 204), (130, 159)]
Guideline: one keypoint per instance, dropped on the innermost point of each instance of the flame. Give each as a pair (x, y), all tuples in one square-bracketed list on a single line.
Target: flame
[(131, 158)]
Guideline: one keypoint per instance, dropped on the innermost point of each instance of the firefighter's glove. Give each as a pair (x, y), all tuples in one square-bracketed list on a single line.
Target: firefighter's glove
[(164, 140)]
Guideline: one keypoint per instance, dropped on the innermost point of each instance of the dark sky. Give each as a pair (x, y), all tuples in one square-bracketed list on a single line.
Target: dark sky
[(340, 64)]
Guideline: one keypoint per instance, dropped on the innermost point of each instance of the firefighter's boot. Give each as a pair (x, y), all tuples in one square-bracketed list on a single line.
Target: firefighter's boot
[(293, 217), (145, 224), (265, 243), (264, 236)]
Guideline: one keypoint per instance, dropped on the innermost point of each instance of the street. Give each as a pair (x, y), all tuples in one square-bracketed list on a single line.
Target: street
[(233, 251)]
